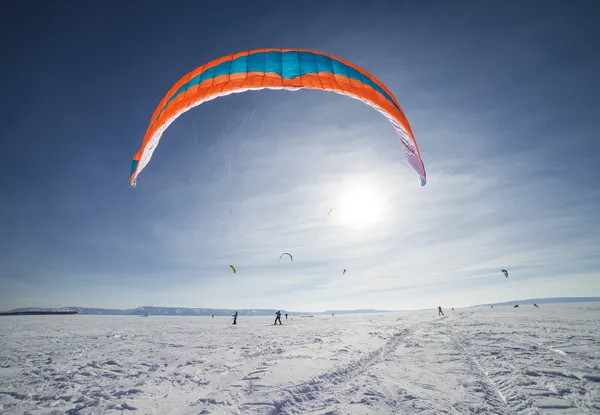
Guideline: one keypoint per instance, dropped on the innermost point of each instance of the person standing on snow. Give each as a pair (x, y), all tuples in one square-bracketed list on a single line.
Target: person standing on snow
[(278, 318), (440, 310), (286, 316), (235, 318)]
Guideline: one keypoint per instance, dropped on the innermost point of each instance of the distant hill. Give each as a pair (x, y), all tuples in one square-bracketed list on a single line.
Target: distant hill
[(37, 313), (362, 311), (182, 311), (544, 301)]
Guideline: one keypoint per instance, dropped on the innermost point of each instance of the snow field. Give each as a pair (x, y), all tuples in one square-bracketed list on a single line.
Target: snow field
[(471, 361)]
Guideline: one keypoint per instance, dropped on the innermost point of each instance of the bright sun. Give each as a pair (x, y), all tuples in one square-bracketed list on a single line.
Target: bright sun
[(361, 206)]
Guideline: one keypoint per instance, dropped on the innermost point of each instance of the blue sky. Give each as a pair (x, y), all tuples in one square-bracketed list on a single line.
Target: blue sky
[(502, 99)]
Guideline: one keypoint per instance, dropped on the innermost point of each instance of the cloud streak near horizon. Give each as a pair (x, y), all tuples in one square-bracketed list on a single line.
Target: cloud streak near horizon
[(510, 149)]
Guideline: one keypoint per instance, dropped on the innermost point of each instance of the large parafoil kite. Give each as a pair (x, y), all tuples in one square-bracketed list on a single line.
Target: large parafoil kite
[(289, 69), (288, 254)]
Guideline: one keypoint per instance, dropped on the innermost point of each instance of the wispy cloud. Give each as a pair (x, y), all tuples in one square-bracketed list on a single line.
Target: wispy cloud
[(502, 116), (475, 217)]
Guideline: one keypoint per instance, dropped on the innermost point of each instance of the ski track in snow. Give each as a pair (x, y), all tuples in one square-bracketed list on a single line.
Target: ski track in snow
[(471, 361)]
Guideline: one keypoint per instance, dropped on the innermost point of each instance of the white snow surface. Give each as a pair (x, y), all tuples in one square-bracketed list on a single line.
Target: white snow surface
[(504, 360)]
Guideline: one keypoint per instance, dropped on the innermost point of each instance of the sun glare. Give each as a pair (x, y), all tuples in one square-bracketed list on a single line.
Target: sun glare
[(361, 205)]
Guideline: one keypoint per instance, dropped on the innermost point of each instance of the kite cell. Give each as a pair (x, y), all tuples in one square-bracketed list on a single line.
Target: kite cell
[(288, 254), (288, 69)]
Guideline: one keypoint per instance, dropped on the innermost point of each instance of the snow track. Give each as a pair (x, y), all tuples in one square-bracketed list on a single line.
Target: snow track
[(474, 361), (329, 388), (531, 377)]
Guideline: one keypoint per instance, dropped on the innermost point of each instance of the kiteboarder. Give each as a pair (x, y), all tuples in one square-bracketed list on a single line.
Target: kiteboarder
[(286, 316), (278, 318), (440, 310), (235, 318)]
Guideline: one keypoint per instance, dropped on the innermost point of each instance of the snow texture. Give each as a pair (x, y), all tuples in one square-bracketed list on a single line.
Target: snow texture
[(471, 361), (182, 311)]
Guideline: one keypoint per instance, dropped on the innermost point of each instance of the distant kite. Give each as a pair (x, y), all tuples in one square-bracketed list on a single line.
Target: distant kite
[(505, 273), (232, 268), (344, 271), (288, 254), (328, 215)]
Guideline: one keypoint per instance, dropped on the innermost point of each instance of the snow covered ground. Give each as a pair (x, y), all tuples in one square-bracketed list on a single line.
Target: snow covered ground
[(486, 361)]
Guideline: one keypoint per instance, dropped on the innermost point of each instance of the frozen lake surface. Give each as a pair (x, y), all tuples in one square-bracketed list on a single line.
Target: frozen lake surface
[(472, 361)]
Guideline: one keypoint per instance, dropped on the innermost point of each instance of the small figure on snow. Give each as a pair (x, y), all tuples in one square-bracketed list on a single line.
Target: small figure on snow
[(440, 312), (278, 317), (235, 318), (286, 316)]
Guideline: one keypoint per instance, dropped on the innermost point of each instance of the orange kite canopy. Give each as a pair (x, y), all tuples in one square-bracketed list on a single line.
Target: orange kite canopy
[(289, 69)]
